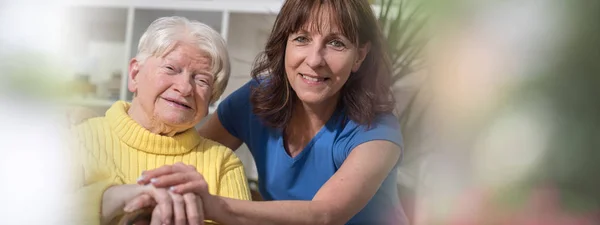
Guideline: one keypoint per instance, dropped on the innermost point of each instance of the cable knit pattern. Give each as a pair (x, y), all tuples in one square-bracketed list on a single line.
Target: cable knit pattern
[(121, 147)]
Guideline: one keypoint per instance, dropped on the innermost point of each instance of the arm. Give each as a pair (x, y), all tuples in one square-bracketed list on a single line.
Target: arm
[(91, 198), (101, 195), (230, 124), (213, 129), (340, 198)]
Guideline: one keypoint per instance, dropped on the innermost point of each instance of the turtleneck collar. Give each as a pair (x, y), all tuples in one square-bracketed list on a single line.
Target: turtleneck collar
[(138, 137)]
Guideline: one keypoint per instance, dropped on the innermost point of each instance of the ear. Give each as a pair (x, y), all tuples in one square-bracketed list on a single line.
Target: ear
[(362, 54), (134, 69)]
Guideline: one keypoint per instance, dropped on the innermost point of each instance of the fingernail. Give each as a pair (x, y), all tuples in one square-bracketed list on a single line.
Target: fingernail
[(140, 178), (153, 180), (172, 189), (128, 208)]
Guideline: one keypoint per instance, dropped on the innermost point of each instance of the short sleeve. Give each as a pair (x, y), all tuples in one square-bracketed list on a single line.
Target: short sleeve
[(234, 112), (385, 127)]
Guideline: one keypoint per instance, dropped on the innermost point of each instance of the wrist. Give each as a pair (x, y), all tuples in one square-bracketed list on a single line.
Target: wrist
[(109, 207), (115, 198), (217, 208)]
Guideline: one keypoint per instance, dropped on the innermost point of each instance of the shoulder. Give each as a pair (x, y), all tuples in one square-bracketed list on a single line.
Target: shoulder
[(96, 125), (235, 112), (385, 127), (243, 93), (93, 122)]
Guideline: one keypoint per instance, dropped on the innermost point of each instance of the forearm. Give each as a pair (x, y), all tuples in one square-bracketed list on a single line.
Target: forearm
[(233, 211)]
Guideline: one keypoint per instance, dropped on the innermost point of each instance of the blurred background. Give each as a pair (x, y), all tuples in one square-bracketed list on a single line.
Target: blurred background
[(498, 100)]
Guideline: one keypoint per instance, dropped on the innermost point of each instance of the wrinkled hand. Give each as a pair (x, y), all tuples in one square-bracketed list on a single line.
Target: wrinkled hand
[(169, 207), (184, 180)]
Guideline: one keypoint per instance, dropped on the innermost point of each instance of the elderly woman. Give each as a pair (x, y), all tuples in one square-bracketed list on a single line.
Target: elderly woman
[(181, 67), (317, 119)]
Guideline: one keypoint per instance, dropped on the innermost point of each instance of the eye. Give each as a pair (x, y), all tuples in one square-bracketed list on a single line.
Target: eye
[(202, 80), (301, 39), (170, 69), (337, 44)]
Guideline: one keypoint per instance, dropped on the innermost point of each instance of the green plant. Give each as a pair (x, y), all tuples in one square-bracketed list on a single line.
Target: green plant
[(402, 23)]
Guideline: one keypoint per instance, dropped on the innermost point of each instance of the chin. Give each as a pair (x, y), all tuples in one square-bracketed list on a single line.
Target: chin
[(180, 122), (312, 98)]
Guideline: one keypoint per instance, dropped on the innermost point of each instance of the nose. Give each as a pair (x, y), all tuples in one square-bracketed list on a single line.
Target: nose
[(315, 58), (183, 85)]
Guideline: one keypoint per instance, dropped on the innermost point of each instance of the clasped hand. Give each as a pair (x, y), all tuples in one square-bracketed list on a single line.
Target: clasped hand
[(177, 192)]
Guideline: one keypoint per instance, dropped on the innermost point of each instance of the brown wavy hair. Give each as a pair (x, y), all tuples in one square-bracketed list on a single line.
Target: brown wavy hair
[(366, 93)]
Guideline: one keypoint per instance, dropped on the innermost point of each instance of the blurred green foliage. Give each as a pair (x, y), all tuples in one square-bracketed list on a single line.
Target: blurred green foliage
[(33, 74)]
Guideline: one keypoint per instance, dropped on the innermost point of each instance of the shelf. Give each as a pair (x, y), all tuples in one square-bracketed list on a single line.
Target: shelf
[(264, 6), (94, 44)]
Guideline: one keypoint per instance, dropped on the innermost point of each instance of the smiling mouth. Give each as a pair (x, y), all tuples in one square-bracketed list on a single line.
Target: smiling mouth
[(178, 103), (314, 79)]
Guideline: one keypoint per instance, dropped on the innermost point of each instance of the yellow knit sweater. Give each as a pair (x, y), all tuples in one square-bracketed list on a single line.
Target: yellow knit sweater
[(117, 150)]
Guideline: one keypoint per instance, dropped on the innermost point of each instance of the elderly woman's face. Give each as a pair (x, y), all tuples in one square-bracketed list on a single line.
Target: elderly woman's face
[(175, 90)]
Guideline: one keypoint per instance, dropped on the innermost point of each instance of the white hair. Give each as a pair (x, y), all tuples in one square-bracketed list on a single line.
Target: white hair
[(162, 35)]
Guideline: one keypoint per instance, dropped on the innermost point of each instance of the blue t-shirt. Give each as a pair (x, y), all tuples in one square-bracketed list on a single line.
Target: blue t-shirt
[(282, 177)]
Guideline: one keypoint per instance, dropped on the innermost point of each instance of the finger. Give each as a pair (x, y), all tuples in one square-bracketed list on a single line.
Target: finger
[(150, 174), (198, 187), (164, 203), (138, 217), (184, 167), (178, 209), (156, 217), (139, 202), (175, 179), (147, 176), (193, 209)]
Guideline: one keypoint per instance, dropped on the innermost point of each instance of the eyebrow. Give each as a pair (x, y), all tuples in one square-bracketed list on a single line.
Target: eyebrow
[(304, 31), (195, 71), (205, 73)]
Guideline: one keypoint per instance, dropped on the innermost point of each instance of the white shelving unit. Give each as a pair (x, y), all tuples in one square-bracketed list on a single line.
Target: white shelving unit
[(102, 36)]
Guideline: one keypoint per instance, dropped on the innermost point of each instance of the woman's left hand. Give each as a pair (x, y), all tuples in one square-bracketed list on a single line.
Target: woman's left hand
[(187, 209), (178, 178)]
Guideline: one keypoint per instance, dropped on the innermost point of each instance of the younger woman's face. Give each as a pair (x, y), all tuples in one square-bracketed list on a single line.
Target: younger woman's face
[(318, 64)]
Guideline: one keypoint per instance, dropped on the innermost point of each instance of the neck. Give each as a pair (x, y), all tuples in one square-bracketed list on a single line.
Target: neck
[(312, 117), (307, 120), (138, 115)]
